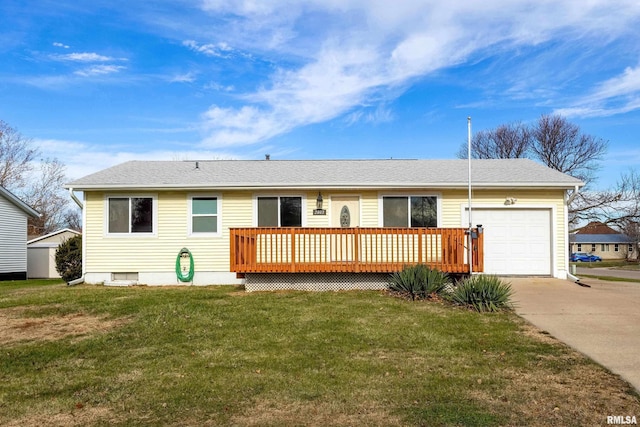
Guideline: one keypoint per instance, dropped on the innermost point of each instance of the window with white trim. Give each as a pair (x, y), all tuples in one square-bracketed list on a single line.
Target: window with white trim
[(204, 215), (604, 247), (409, 211), (616, 248), (579, 247), (279, 211), (630, 248), (593, 247), (130, 215)]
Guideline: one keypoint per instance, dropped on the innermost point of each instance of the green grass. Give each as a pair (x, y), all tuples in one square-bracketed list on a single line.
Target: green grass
[(624, 265), (610, 278), (220, 356)]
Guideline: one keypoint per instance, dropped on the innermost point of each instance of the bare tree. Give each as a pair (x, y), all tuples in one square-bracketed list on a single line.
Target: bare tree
[(38, 183), (561, 145), (16, 155), (552, 140), (73, 219), (45, 194), (510, 141), (618, 207)]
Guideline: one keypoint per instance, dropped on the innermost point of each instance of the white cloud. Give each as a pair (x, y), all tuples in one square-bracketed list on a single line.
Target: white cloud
[(618, 95), (355, 50), (189, 77), (99, 70), (85, 57), (219, 49), (80, 158), (62, 45)]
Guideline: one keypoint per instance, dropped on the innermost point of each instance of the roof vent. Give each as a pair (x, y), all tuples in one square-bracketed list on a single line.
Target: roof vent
[(198, 165), (267, 156)]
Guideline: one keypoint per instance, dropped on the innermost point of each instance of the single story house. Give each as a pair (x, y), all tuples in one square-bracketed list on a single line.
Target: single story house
[(14, 215), (234, 221), (41, 253), (601, 240)]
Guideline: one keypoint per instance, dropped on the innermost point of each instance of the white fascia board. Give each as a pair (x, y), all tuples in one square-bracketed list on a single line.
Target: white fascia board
[(314, 186)]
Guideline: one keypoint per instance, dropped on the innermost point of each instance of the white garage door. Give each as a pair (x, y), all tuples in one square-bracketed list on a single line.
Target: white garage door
[(516, 241)]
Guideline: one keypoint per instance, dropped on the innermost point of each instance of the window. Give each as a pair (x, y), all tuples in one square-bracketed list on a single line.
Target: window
[(279, 211), (593, 247), (604, 247), (579, 247), (630, 248), (205, 216), (130, 215), (409, 211), (616, 248)]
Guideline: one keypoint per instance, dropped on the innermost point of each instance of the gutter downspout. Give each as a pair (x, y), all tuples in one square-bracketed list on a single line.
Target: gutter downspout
[(81, 206), (573, 195), (75, 199), (76, 281)]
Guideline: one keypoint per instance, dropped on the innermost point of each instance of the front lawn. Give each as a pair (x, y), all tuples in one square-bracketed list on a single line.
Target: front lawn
[(92, 355), (623, 265)]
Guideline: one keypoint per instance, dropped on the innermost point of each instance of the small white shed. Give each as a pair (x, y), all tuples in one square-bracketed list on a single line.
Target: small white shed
[(41, 253), (14, 214)]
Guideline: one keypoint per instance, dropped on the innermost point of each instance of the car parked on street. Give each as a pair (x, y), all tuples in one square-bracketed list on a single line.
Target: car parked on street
[(584, 257)]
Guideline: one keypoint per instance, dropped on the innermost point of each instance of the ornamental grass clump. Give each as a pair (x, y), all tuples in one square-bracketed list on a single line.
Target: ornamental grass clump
[(418, 282), (482, 293)]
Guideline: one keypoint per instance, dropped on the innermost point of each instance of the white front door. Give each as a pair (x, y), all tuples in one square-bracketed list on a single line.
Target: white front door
[(345, 211)]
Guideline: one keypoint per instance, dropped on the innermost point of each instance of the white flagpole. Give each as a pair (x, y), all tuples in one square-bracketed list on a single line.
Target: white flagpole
[(470, 222)]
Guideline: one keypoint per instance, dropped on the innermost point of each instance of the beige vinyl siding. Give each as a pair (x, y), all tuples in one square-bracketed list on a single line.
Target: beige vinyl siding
[(138, 253), (369, 209)]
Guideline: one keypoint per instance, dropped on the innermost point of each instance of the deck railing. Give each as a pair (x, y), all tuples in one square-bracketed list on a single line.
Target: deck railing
[(352, 250)]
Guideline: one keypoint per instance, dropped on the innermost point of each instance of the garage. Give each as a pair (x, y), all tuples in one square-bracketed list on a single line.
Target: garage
[(516, 241)]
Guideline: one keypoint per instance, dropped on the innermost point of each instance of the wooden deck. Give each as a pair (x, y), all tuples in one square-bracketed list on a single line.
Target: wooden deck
[(351, 250)]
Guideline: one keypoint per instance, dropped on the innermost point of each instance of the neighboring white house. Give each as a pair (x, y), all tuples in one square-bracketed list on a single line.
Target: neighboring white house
[(41, 254), (14, 214), (273, 216)]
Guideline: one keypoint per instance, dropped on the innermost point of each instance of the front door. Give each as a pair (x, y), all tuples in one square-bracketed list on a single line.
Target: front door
[(345, 211)]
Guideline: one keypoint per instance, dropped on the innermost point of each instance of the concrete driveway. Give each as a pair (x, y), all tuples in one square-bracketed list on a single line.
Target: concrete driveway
[(602, 322)]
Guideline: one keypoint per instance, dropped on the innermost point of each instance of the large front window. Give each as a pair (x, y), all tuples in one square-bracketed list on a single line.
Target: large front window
[(279, 211), (409, 211), (130, 215)]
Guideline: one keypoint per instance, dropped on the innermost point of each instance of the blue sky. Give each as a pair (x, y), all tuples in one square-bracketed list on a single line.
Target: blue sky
[(101, 82)]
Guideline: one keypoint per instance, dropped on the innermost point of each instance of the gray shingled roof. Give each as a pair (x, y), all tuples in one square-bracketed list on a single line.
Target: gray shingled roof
[(600, 238), (324, 174)]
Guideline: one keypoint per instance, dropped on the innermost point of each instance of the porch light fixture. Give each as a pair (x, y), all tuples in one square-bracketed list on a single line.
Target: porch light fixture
[(318, 210)]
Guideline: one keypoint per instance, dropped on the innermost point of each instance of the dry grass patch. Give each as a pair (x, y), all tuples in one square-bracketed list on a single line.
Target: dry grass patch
[(18, 324), (311, 414), (79, 416)]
